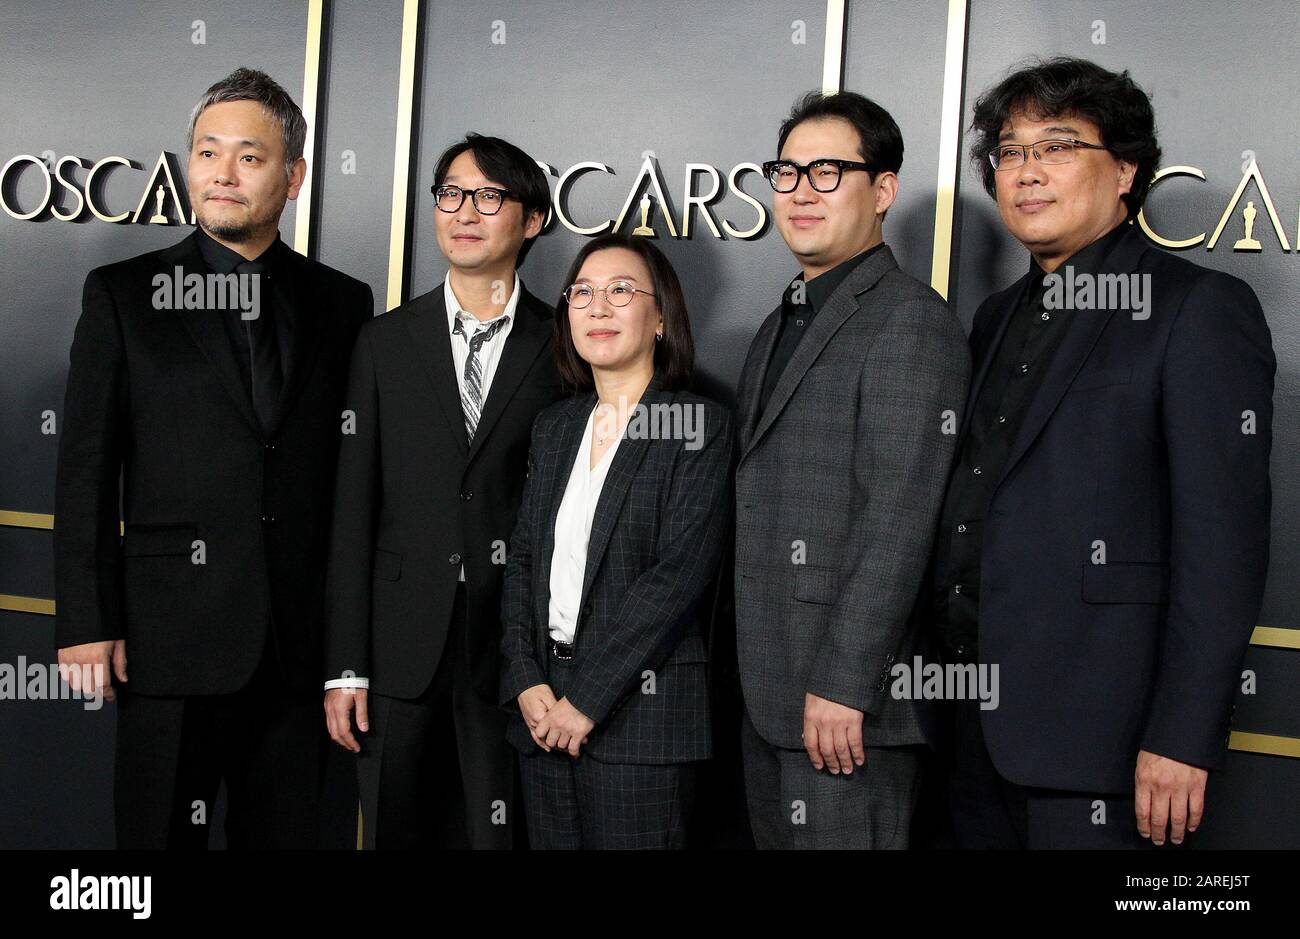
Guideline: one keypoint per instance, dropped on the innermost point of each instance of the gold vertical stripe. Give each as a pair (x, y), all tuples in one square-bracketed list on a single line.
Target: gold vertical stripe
[(397, 233), (27, 520), (1264, 743), (359, 824), (1276, 636), (954, 67), (311, 110), (9, 601), (833, 56)]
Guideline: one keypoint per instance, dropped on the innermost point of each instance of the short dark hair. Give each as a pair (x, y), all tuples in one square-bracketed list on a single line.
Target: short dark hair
[(880, 142), (504, 162), (248, 84), (1047, 88), (674, 354)]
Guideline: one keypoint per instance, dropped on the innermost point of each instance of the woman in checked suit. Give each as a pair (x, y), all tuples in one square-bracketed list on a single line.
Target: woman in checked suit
[(620, 533)]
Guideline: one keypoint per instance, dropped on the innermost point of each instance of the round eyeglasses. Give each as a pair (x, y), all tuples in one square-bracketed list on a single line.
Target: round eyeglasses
[(619, 293)]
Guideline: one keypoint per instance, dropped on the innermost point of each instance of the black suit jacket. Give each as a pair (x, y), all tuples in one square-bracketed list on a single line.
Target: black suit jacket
[(1135, 441), (657, 537), (416, 501), (155, 400)]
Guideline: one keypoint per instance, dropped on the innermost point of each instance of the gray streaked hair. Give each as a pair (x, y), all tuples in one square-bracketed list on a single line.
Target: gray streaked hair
[(248, 84)]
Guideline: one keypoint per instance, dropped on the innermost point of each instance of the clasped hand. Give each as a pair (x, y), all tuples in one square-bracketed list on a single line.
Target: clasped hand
[(554, 723)]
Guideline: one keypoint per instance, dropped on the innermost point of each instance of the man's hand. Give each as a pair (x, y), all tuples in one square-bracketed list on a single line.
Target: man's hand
[(1167, 792), (91, 661), (339, 703), (832, 735), (534, 702), (563, 726)]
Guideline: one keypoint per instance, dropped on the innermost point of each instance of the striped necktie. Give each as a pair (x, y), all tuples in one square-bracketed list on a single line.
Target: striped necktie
[(471, 396)]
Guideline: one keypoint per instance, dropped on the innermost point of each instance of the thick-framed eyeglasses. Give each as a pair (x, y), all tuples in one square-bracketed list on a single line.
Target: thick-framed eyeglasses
[(619, 293), (1008, 156), (487, 199), (823, 175)]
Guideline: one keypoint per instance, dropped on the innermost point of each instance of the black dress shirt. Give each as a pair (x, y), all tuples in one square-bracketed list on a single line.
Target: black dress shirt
[(268, 332), (797, 317), (1019, 364)]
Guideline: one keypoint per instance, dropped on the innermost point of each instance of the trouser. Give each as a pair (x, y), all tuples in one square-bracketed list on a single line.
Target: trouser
[(265, 743), (991, 812), (581, 803), (794, 805), (436, 771)]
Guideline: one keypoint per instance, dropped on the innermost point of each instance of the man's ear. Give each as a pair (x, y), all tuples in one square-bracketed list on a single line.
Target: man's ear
[(533, 226), (886, 191), (297, 176), (1127, 173)]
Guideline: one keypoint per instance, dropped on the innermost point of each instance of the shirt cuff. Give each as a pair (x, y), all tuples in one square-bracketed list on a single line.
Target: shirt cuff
[(347, 683)]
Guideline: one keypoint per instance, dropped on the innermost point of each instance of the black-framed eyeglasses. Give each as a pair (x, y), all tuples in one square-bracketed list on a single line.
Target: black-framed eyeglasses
[(823, 175), (1052, 151), (487, 199), (618, 293)]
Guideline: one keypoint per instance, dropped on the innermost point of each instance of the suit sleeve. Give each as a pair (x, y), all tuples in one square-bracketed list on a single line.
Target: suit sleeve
[(691, 537), (357, 492), (87, 512), (1218, 365), (520, 668), (918, 368)]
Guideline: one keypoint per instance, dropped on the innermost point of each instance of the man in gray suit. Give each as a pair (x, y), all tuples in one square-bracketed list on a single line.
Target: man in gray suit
[(849, 404)]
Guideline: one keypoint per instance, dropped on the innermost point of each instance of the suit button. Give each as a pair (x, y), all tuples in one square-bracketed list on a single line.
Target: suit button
[(961, 529), (454, 559), (961, 650), (467, 495), (270, 446), (956, 588), (268, 519), (977, 471)]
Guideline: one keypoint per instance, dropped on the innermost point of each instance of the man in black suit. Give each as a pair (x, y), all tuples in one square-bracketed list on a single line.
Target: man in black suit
[(220, 420), (1104, 539), (443, 392)]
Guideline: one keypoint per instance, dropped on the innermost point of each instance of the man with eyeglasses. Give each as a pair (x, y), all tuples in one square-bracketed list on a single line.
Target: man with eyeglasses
[(441, 400), (1104, 540), (848, 406)]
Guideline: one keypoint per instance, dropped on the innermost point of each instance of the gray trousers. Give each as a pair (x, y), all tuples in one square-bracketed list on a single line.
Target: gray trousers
[(793, 805)]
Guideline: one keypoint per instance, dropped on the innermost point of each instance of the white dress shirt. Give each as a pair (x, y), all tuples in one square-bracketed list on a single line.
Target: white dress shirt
[(573, 532), (489, 355)]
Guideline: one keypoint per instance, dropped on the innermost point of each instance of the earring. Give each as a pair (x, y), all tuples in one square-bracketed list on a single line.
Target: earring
[(659, 337)]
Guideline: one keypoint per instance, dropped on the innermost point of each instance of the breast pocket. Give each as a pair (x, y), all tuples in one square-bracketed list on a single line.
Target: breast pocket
[(816, 584), (387, 565)]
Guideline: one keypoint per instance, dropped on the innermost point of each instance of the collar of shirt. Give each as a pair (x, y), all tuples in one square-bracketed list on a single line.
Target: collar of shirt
[(223, 260), (1087, 259), (472, 322), (818, 290)]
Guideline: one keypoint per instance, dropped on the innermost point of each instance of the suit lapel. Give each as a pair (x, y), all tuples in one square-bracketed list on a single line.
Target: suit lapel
[(426, 321), (1084, 328), (1010, 300), (627, 460), (526, 341), (299, 329), (553, 486), (761, 356), (842, 304), (209, 333)]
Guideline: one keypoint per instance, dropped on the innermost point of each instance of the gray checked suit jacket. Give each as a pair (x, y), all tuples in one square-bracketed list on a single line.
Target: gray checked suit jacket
[(838, 491), (657, 538)]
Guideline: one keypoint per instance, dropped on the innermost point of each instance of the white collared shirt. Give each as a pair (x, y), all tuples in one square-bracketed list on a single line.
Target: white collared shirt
[(573, 533), (489, 354)]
